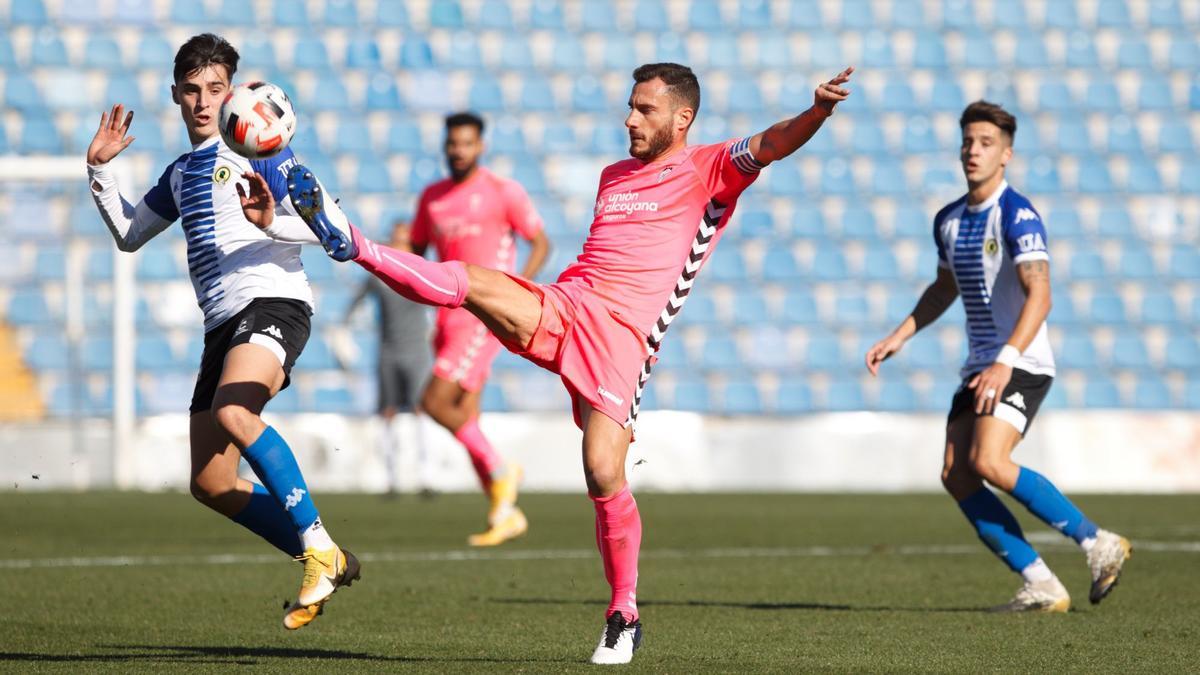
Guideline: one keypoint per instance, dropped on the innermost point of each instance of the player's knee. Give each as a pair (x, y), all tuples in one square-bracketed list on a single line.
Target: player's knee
[(959, 481), (986, 465), (206, 490), (604, 479), (235, 420)]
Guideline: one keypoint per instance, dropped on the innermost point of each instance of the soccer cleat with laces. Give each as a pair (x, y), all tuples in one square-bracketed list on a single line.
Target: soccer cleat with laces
[(1042, 596), (324, 573), (618, 642), (1107, 557), (510, 526), (503, 493), (325, 218)]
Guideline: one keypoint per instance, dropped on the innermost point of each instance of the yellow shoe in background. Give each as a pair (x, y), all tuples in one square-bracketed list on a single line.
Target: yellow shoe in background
[(503, 493), (510, 526)]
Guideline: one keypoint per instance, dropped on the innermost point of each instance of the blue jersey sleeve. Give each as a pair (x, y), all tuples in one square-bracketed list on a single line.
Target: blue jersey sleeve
[(1024, 232), (275, 170), (160, 199)]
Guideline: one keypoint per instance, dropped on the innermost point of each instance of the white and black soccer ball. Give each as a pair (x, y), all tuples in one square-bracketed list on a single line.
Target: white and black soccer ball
[(257, 120)]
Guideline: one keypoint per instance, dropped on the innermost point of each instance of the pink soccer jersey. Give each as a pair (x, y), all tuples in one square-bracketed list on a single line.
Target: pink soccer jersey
[(474, 221), (655, 224)]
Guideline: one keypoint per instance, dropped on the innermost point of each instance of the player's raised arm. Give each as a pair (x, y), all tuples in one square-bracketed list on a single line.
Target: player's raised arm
[(787, 136), (936, 299), (130, 226)]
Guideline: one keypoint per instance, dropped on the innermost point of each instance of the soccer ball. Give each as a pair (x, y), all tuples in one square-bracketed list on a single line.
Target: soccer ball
[(257, 120)]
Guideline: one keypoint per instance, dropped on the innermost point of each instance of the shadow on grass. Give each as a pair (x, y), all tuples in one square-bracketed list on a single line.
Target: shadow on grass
[(775, 606), (244, 656)]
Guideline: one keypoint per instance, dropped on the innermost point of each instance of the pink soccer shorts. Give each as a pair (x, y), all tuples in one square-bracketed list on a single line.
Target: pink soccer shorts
[(463, 349)]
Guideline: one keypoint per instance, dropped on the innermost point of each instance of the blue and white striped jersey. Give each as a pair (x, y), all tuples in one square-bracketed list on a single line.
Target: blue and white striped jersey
[(230, 261), (982, 245)]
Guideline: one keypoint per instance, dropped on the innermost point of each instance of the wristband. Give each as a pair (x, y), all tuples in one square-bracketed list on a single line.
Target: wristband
[(1008, 356)]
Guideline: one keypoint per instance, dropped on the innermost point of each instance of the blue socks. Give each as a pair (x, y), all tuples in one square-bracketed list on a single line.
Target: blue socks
[(263, 517), (275, 465), (998, 529), (1045, 501)]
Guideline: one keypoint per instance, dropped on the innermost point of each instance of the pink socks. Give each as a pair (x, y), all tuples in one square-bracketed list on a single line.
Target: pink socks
[(441, 284), (619, 536), (483, 456)]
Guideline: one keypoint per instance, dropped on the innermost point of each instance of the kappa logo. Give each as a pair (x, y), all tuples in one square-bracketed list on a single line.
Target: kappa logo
[(273, 332), (1025, 214), (293, 499), (1017, 400), (243, 326)]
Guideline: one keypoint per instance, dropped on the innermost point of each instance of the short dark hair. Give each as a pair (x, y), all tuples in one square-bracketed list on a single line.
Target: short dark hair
[(203, 50), (680, 80), (985, 111), (465, 119)]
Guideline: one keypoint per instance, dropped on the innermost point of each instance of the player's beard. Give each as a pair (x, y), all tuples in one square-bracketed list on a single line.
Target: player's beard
[(655, 145)]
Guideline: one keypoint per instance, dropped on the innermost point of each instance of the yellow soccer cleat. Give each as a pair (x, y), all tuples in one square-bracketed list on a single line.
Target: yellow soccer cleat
[(1107, 557), (1043, 596), (503, 493), (510, 526), (324, 573)]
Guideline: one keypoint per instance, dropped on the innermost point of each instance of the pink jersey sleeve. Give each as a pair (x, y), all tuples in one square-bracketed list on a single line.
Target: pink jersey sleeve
[(522, 215), (727, 168), (421, 226)]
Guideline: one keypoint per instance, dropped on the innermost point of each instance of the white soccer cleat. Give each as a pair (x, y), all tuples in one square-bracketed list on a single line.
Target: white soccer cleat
[(1043, 596), (1107, 557), (618, 642)]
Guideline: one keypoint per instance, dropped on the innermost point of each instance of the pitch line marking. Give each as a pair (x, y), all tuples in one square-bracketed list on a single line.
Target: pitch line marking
[(557, 554)]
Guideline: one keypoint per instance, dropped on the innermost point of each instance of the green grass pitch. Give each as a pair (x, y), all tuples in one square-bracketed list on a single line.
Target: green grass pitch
[(729, 583)]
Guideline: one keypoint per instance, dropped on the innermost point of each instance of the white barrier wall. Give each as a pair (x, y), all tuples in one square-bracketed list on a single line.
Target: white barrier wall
[(1103, 451)]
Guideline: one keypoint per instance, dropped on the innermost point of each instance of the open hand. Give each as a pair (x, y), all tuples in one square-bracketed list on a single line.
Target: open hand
[(110, 138), (259, 205), (830, 93)]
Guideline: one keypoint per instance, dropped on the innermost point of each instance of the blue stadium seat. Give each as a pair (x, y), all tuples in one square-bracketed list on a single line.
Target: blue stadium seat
[(1064, 223), (1154, 93), (139, 13), (391, 15), (96, 352), (1042, 177), (609, 140), (382, 93), (1152, 393), (236, 13), (1143, 177), (81, 12), (47, 49), (779, 265), (1073, 137), (291, 14), (858, 222), (670, 48), (1102, 96), (879, 263), (154, 353), (1175, 136), (1185, 263), (754, 15), (486, 96), (957, 14), (341, 13), (784, 178), (1129, 351), (919, 137), (877, 53), (897, 96), (27, 306), (946, 96), (1094, 177), (745, 96), (700, 310), (464, 52), (728, 266), (1101, 392), (929, 51), (825, 51), (691, 395), (804, 13), (515, 53), (338, 400), (896, 396), (445, 14), (888, 178), (823, 352), (351, 136), (868, 138), (1115, 223), (756, 221), (506, 137), (558, 137), (546, 15), (1054, 96), (1182, 351), (495, 15), (1189, 176), (851, 308), (330, 95), (1009, 15), (40, 137), (362, 53), (102, 52), (1184, 53), (620, 53), (1123, 136), (1087, 265), (568, 54), (588, 95), (1112, 14), (794, 397), (844, 395), (1158, 307), (705, 16), (829, 264), (1134, 53), (188, 12), (1061, 15), (29, 12), (309, 52), (1030, 51), (1081, 51), (155, 53), (982, 53), (905, 14), (415, 53), (799, 307), (537, 95), (651, 16), (741, 397), (909, 221), (404, 137), (720, 352), (1107, 308), (597, 17), (1136, 263)]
